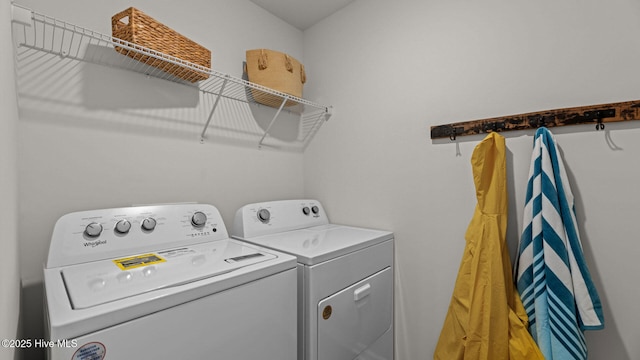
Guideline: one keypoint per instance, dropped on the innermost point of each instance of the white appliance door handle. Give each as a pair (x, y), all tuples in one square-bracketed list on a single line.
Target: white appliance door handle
[(362, 292)]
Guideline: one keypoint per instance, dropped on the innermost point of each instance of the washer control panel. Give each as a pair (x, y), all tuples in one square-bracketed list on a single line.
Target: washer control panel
[(100, 234), (277, 216)]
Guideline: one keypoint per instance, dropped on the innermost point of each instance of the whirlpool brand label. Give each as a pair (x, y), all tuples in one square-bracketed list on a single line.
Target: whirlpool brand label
[(90, 351), (95, 243)]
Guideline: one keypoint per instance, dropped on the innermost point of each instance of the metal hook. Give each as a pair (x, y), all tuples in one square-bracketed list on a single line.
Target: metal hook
[(598, 115), (493, 126), (540, 122), (453, 133)]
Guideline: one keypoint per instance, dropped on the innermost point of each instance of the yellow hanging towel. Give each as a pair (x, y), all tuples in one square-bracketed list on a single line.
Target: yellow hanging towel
[(486, 319)]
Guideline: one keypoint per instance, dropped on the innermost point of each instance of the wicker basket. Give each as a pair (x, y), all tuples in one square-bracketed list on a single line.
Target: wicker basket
[(277, 71), (134, 26)]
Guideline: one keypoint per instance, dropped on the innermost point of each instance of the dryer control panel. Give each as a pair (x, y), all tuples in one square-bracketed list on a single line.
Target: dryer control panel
[(93, 235), (277, 216)]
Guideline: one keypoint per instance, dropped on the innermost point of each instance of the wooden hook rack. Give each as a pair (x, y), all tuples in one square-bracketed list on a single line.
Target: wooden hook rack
[(597, 114)]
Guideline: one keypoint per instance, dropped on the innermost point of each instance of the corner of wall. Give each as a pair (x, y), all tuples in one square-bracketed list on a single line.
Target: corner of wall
[(9, 273)]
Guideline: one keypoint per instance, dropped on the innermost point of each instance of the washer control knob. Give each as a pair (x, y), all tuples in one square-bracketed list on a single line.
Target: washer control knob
[(306, 210), (264, 215), (123, 226), (94, 229), (315, 209), (148, 224), (198, 219)]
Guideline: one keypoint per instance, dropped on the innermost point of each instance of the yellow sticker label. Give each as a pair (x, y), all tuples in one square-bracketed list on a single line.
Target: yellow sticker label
[(138, 261)]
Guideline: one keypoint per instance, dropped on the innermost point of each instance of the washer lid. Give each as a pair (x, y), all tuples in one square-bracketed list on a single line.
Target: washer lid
[(104, 281), (316, 244)]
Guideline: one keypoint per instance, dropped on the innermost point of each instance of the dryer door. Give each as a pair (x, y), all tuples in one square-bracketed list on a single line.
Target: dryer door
[(354, 318)]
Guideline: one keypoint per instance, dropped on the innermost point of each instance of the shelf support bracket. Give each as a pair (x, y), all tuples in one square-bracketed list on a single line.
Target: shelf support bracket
[(215, 105), (266, 132)]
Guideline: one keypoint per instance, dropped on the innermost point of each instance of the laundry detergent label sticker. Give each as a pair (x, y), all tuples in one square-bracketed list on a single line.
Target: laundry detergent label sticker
[(90, 351), (138, 261)]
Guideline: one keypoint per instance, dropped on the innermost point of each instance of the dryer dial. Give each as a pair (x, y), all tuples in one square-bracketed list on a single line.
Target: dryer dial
[(148, 224), (264, 215), (198, 219)]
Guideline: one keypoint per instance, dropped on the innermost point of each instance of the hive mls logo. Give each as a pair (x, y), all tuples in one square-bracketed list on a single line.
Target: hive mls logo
[(68, 343), (95, 243)]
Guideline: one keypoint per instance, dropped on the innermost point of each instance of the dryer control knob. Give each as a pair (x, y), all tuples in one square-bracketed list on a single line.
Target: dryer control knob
[(306, 210), (198, 219), (123, 226), (315, 209), (264, 215), (148, 224), (94, 229)]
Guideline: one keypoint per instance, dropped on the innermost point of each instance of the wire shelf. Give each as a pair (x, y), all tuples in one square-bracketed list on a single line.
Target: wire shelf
[(46, 34)]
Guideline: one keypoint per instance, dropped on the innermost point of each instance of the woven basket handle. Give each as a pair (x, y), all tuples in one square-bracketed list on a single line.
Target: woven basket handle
[(116, 22), (288, 64), (263, 60)]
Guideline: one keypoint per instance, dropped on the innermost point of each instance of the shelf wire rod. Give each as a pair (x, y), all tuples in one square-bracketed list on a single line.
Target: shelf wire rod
[(215, 105), (42, 37), (62, 42), (76, 50), (24, 34), (316, 122), (266, 132), (53, 37)]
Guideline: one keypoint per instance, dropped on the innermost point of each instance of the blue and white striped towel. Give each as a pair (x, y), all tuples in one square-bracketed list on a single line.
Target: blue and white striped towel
[(551, 273)]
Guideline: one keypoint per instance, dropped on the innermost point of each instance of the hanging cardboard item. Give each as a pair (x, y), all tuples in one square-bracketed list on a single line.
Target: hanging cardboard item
[(277, 71), (134, 26)]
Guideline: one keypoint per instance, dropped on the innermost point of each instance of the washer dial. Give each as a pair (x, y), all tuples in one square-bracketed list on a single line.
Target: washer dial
[(123, 226), (94, 229)]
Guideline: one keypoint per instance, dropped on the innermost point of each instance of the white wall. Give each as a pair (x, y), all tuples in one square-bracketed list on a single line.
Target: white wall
[(9, 276), (393, 69), (93, 137)]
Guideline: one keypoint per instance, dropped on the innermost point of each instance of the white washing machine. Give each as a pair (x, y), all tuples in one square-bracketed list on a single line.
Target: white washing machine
[(345, 278), (165, 282)]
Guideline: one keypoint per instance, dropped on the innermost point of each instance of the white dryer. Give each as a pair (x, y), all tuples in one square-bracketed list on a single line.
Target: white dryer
[(345, 278), (165, 282)]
